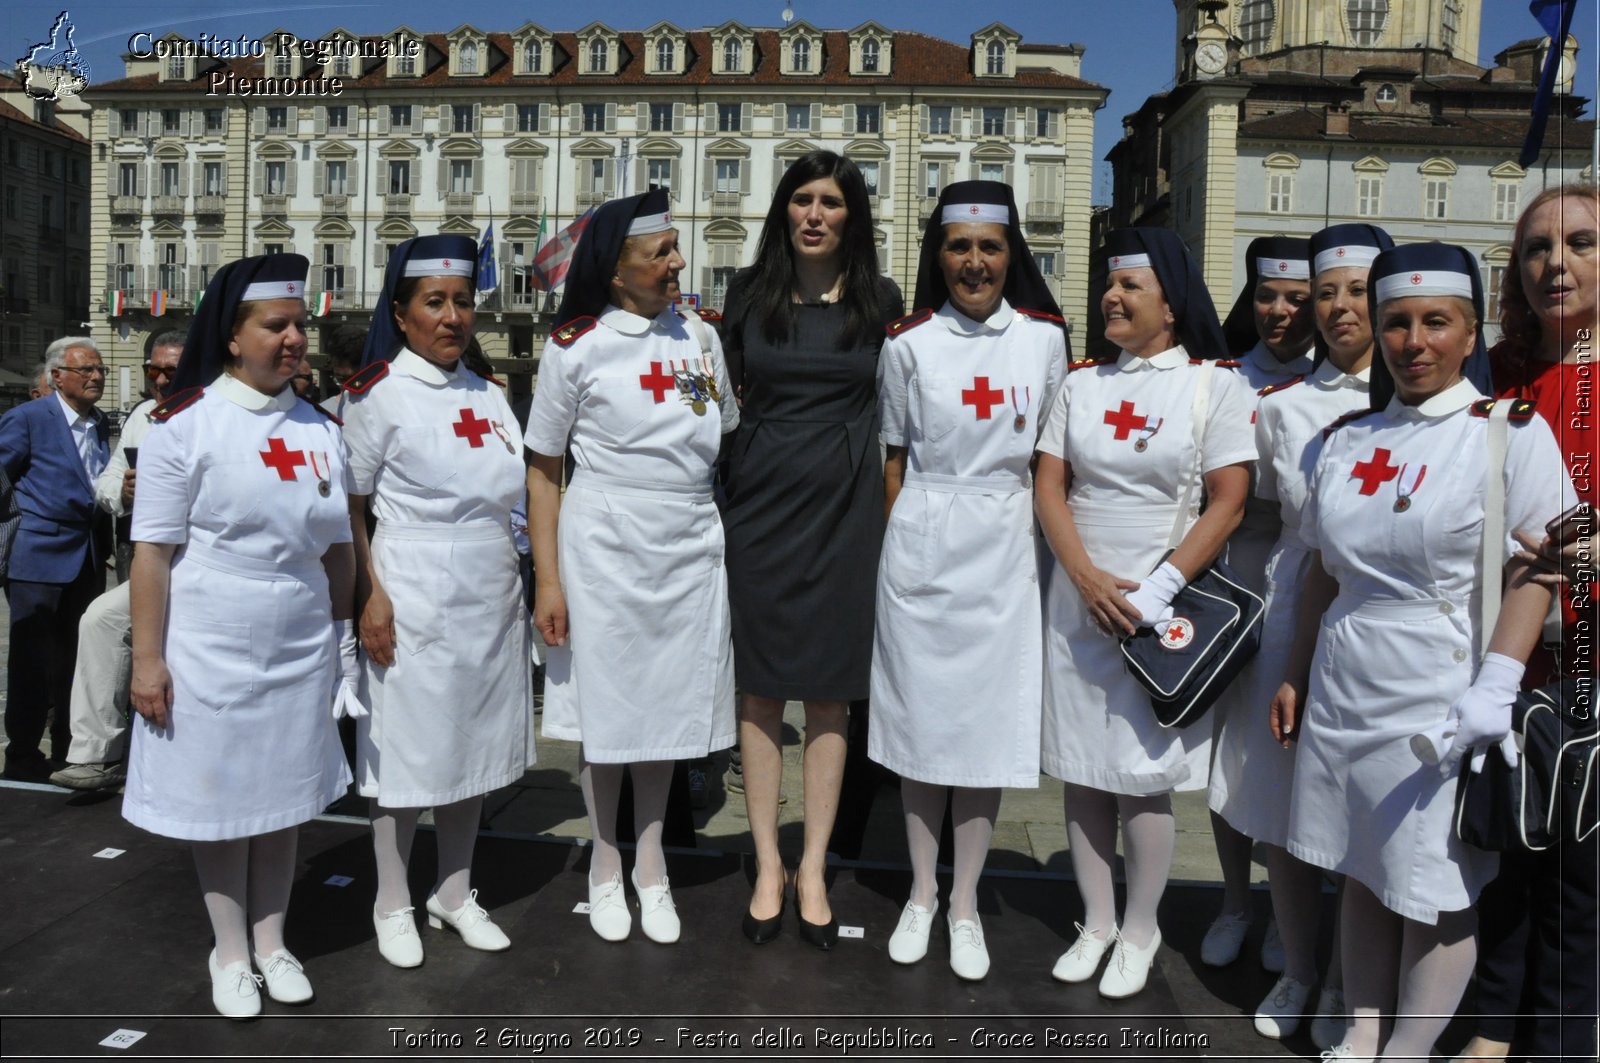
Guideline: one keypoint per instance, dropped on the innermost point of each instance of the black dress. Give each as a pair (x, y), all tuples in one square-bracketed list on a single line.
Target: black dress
[(803, 510)]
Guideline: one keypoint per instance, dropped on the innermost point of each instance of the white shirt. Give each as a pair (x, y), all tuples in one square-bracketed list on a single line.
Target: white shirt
[(1103, 412), (91, 451), (108, 486), (1289, 424), (623, 394), (1396, 502)]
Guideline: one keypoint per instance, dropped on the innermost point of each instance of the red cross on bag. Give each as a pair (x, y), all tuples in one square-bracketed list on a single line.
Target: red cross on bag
[(280, 458), (471, 427), (981, 397)]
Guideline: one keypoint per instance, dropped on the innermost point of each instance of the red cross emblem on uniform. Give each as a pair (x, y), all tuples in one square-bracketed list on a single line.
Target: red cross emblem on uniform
[(1339, 253), (1374, 471), (1124, 420), (1283, 267), (657, 382), (447, 263), (1416, 278), (1114, 260), (981, 397), (972, 209), (290, 288), (279, 457), (471, 427)]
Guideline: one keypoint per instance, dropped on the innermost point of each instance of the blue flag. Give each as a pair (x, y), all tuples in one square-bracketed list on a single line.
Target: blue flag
[(488, 275), (1555, 16)]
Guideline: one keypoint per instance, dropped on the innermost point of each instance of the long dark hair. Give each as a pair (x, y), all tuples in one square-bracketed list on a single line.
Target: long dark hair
[(766, 288)]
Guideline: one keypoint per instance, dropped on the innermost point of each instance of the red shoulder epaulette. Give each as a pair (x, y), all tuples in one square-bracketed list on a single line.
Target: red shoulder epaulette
[(1040, 315), (326, 413), (176, 403), (1353, 415), (1221, 363), (566, 334), (1085, 363), (709, 315), (1521, 409), (911, 320), (362, 382), (490, 377), (1274, 388)]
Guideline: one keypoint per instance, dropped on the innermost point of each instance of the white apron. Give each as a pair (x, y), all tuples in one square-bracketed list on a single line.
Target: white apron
[(957, 658)]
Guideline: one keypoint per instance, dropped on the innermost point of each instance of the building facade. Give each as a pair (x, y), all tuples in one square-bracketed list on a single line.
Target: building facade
[(198, 160), (44, 231), (1292, 115)]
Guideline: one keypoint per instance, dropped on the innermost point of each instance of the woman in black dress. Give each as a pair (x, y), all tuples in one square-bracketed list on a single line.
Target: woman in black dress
[(804, 510)]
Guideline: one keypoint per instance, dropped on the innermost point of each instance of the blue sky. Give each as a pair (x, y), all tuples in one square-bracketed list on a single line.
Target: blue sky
[(1129, 42)]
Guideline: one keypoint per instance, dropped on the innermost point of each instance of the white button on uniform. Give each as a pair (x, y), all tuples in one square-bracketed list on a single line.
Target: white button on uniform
[(1446, 608), (1459, 655)]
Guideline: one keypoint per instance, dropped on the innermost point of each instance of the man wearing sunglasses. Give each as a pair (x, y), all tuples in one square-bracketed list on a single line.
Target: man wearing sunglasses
[(99, 701), (52, 449)]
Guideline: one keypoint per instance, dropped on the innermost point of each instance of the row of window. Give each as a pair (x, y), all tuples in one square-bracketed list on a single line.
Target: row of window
[(1369, 196), (50, 217), (465, 118), (51, 162), (1365, 19)]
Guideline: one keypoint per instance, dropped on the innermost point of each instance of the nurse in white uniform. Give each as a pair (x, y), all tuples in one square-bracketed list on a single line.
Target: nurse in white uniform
[(956, 654), (1403, 684), (1115, 457), (241, 549), (433, 453), (1269, 330), (1252, 774), (631, 593)]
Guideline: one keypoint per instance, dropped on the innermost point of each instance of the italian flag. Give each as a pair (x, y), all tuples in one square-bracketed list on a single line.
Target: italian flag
[(323, 306), (116, 302), (197, 297)]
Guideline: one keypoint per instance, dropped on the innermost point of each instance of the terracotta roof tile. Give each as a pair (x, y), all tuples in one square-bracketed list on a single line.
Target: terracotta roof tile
[(64, 132)]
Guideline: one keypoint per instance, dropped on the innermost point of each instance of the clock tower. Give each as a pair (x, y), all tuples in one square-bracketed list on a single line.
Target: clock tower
[(1210, 51)]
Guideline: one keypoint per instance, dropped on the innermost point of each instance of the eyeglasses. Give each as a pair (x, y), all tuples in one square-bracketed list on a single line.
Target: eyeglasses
[(153, 371), (84, 370)]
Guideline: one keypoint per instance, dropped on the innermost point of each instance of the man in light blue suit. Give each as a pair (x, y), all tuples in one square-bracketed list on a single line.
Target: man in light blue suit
[(52, 449)]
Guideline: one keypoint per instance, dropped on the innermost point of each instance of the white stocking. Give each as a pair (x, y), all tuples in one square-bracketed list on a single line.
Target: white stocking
[(1148, 834), (652, 781), (272, 868), (602, 787), (1436, 964), (924, 806), (223, 868), (392, 832), (973, 811), (1092, 845), (1370, 937), (456, 834)]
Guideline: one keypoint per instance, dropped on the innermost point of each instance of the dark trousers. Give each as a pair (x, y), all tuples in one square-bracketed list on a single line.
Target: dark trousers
[(1537, 942), (44, 649)]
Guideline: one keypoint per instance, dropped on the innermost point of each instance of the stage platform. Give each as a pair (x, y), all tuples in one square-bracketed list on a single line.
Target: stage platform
[(95, 942)]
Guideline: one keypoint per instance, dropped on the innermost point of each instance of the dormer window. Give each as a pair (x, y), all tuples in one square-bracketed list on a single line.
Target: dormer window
[(599, 56), (532, 57), (282, 63), (176, 71), (467, 58), (732, 54), (665, 55), (800, 55), (995, 58), (341, 66), (869, 55), (405, 63)]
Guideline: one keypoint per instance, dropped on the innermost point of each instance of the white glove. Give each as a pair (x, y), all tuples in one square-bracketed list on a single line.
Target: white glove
[(1154, 597), (347, 673), (1480, 716)]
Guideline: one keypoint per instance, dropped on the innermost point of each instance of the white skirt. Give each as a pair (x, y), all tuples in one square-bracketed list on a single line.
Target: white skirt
[(647, 672), (452, 718), (1099, 728), (957, 654), (1362, 803), (250, 746)]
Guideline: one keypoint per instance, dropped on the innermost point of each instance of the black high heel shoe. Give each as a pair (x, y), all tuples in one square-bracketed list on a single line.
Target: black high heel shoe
[(761, 931), (823, 935)]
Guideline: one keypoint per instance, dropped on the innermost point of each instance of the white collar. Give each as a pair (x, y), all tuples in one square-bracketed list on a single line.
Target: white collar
[(962, 325), (630, 324), (1171, 358), (74, 418), (1457, 396), (1268, 363), (414, 365), (1330, 377), (239, 393)]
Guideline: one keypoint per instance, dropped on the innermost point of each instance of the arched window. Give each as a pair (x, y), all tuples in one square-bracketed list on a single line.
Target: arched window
[(598, 56), (1449, 23), (664, 54), (800, 54), (467, 58), (1367, 19), (532, 57), (996, 58), (1255, 25), (869, 55), (732, 54)]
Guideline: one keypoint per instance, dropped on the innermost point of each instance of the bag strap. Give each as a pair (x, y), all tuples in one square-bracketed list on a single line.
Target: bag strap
[(1199, 410), (1494, 523), (699, 329)]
